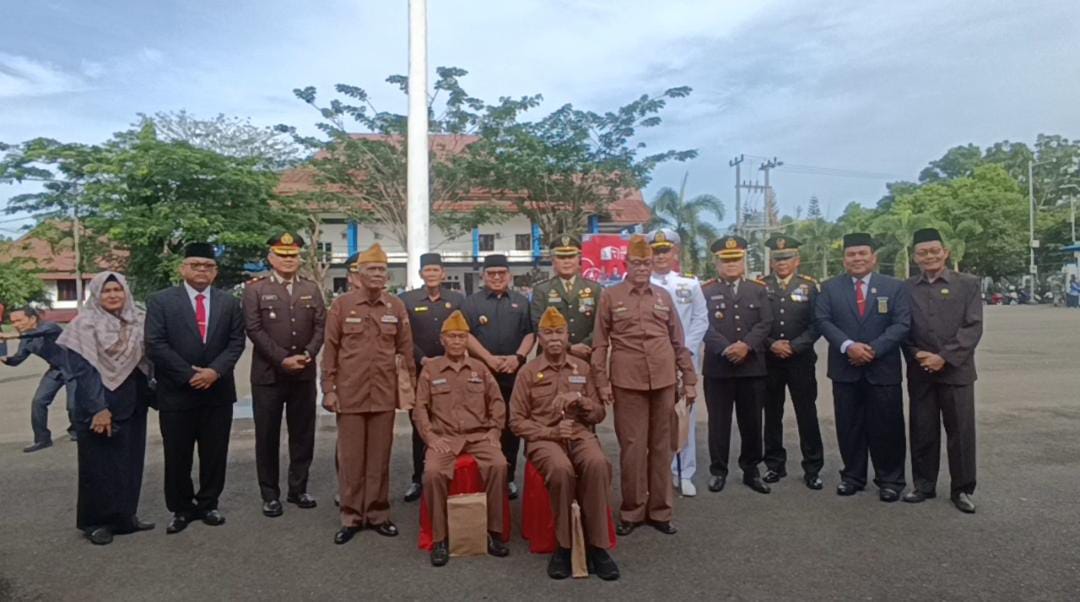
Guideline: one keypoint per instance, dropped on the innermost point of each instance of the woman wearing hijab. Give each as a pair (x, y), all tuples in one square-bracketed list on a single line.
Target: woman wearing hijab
[(106, 364)]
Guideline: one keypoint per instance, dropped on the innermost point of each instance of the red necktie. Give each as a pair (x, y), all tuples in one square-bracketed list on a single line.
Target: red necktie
[(200, 314), (860, 298)]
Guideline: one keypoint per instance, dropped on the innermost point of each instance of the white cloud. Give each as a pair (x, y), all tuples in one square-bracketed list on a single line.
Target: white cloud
[(22, 76)]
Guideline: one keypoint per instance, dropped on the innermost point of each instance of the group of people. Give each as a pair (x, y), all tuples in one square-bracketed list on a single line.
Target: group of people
[(462, 366)]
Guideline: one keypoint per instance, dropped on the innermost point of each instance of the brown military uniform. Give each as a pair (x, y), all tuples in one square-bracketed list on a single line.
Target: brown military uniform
[(575, 468), (461, 403), (641, 329), (283, 319), (362, 338)]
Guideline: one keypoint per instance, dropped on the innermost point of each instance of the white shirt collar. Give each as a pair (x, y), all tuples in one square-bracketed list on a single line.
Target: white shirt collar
[(865, 279), (191, 292)]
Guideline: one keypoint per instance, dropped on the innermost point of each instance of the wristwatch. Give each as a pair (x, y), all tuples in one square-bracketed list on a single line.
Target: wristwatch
[(520, 358)]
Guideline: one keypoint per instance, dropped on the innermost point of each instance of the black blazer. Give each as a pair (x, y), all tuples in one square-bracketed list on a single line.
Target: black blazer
[(884, 327), (745, 317), (174, 346)]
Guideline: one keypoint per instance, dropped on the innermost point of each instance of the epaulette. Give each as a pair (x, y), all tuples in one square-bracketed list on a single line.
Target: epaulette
[(708, 282), (808, 278), (760, 281), (254, 280)]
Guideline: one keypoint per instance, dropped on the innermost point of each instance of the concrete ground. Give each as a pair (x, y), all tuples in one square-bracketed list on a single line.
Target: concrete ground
[(1024, 543)]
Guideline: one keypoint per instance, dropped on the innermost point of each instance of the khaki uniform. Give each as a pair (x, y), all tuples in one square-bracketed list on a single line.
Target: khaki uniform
[(280, 324), (461, 403), (642, 332), (575, 468), (362, 338), (577, 305)]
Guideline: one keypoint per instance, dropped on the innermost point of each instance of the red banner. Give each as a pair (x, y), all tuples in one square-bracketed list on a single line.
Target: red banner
[(603, 258)]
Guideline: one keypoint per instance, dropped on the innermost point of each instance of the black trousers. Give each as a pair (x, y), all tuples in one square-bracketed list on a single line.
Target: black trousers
[(870, 418), (745, 395), (931, 405), (797, 375), (110, 475), (511, 444), (418, 451), (208, 427), (296, 399)]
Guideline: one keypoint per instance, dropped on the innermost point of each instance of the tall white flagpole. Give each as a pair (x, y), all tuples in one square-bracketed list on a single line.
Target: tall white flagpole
[(417, 178)]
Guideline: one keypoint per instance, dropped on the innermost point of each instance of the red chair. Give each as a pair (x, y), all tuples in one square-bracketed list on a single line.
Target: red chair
[(537, 518), (466, 480)]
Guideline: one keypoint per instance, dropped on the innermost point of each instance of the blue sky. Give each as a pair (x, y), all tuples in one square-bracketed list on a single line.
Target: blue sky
[(874, 88)]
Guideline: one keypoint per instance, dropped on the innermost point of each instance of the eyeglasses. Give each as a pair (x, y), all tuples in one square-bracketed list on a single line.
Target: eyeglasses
[(931, 252)]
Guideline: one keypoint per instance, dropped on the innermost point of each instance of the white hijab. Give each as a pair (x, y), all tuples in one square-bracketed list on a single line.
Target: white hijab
[(113, 344)]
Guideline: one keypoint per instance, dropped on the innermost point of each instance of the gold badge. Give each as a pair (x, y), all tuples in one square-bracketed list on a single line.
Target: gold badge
[(719, 315), (539, 376), (781, 243), (661, 237), (448, 306), (483, 319), (566, 241), (287, 239), (273, 316), (944, 292), (585, 293), (731, 243), (883, 305)]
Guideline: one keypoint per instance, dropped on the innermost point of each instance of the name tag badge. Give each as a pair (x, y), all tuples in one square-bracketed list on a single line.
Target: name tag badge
[(389, 319), (305, 297), (715, 297), (883, 305), (661, 307), (621, 308), (475, 380), (354, 320), (439, 381), (420, 309), (578, 380), (269, 297)]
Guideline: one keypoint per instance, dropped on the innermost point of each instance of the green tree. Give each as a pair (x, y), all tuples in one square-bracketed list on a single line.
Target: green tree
[(820, 246), (19, 284), (957, 237), (688, 218), (894, 231), (229, 136)]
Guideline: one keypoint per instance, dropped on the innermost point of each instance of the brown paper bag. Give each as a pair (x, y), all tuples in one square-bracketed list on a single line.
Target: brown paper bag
[(579, 564), (466, 517), (406, 393), (681, 431)]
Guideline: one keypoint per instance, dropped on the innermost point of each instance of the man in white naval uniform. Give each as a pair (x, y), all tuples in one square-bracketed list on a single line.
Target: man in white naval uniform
[(694, 315)]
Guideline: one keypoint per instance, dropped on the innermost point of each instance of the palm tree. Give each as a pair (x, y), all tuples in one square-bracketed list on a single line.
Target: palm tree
[(820, 239), (956, 238), (896, 230), (687, 218)]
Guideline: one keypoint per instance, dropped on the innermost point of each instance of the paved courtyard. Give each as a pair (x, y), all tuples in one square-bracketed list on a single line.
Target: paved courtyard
[(1024, 543)]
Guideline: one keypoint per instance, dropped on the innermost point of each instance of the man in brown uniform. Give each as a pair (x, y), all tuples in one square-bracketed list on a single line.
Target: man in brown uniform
[(554, 408), (459, 409), (285, 317), (946, 325), (638, 324), (365, 329)]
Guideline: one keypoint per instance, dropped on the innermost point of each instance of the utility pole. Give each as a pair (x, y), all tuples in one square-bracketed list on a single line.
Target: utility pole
[(736, 163), (417, 186), (770, 207), (75, 228), (1032, 268)]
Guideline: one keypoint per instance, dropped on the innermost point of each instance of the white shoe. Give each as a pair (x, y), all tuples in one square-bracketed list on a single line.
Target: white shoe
[(688, 489), (674, 482)]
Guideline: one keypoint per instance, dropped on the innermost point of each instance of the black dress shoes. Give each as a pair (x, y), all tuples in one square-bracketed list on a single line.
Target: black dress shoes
[(213, 518), (774, 476), (272, 509), (36, 446), (888, 495), (625, 528), (413, 492), (387, 529), (559, 565), (496, 547), (304, 500), (917, 497), (440, 553), (716, 484), (345, 534), (964, 503), (177, 523), (664, 527), (101, 536), (845, 488), (601, 564), (813, 482), (756, 484), (512, 490), (134, 525)]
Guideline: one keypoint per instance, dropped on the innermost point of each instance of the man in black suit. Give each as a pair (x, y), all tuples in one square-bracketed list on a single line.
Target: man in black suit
[(194, 336), (865, 317)]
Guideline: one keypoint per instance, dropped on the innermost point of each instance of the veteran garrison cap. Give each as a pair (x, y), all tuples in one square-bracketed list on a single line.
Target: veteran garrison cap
[(552, 318), (729, 247), (638, 248), (455, 323)]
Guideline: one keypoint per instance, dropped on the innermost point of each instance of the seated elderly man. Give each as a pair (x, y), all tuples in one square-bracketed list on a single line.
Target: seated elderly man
[(553, 408), (459, 410)]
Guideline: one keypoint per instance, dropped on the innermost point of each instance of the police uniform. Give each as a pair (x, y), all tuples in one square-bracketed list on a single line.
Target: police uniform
[(738, 311), (426, 316), (694, 315), (792, 301), (575, 298), (284, 318)]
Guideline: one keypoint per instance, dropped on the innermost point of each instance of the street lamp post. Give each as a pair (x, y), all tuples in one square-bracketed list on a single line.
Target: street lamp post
[(417, 189), (1032, 243)]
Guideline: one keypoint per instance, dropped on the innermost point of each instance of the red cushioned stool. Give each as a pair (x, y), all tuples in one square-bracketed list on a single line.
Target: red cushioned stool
[(466, 480), (537, 518)]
